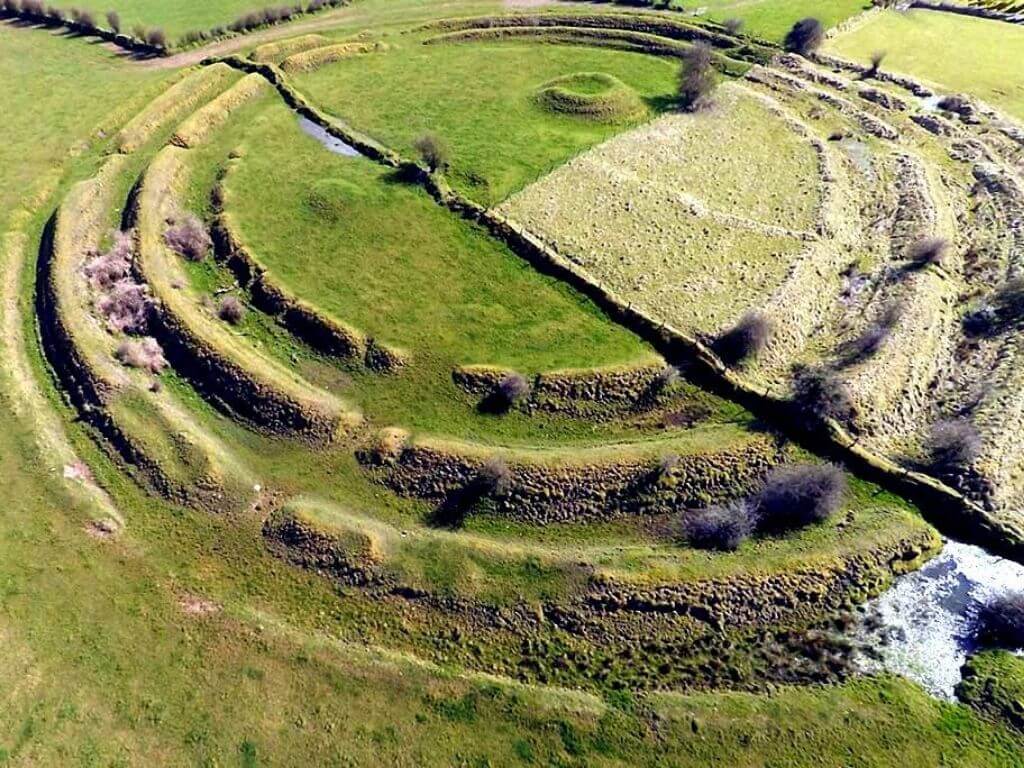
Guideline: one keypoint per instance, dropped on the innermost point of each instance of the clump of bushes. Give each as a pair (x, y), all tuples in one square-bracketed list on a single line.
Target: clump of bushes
[(722, 527), (231, 310), (798, 495), (928, 251), (126, 306), (1003, 310), (957, 104), (1001, 621), (144, 354), (805, 37), (107, 268), (434, 152), (745, 340), (873, 338), (510, 391), (819, 393), (876, 64), (188, 237), (114, 21), (494, 478), (793, 496), (697, 78), (733, 26), (952, 445)]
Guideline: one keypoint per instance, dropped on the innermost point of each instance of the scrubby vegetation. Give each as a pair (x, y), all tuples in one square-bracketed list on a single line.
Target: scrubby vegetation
[(745, 340), (719, 527), (697, 78), (798, 495), (805, 37), (1001, 621)]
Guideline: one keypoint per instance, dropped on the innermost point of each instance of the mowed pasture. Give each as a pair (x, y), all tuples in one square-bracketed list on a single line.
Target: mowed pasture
[(957, 53), (481, 99), (639, 213), (772, 19)]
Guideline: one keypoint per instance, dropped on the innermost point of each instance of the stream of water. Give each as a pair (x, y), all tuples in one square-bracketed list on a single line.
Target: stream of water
[(921, 628), (331, 143)]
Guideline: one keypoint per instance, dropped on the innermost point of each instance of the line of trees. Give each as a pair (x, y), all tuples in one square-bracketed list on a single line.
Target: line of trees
[(153, 39)]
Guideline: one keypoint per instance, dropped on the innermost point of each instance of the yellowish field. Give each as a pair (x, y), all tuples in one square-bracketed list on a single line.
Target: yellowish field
[(639, 214)]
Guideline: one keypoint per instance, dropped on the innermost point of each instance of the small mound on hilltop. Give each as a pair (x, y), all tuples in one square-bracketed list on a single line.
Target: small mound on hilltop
[(593, 95)]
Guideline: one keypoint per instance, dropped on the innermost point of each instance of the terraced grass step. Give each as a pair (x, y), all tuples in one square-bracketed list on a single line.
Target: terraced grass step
[(701, 466), (142, 424), (222, 366), (172, 104), (632, 588)]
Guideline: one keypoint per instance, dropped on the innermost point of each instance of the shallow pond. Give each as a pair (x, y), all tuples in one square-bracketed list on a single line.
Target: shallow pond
[(921, 627), (331, 143)]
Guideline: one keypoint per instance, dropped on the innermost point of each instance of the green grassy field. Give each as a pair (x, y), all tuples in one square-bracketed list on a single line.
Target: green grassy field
[(182, 641), (484, 105), (961, 54), (772, 19)]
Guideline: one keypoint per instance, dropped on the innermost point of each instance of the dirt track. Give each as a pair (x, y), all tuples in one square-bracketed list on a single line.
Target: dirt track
[(348, 15)]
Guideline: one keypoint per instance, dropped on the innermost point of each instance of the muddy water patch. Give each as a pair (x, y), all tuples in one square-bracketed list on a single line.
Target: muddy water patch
[(330, 142), (923, 627)]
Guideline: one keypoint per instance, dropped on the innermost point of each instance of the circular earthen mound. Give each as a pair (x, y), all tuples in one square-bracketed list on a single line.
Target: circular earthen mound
[(591, 95)]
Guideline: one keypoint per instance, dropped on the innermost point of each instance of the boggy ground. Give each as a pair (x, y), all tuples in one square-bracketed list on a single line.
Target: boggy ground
[(416, 639)]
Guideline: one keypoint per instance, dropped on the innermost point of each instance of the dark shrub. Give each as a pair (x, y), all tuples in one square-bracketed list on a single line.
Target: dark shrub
[(667, 377), (1001, 621), (433, 151), (952, 445), (873, 338), (188, 237), (745, 340), (928, 250), (56, 14), (805, 37), (495, 478), (156, 38), (85, 19), (512, 389), (114, 21), (1004, 309), (797, 495), (819, 393), (876, 63), (733, 26), (721, 527), (231, 310), (958, 104), (697, 78)]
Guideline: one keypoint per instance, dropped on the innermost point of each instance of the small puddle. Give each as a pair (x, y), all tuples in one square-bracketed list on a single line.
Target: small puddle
[(331, 143), (921, 628), (931, 103)]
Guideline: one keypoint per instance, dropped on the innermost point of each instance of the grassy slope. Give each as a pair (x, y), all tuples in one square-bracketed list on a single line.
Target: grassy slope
[(483, 105), (772, 19), (103, 667), (983, 58)]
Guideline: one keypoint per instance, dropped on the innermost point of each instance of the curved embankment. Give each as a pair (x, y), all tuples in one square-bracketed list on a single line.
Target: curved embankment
[(145, 426), (531, 590), (322, 332), (597, 394), (222, 366), (203, 122), (593, 96), (575, 485), (312, 59), (282, 49), (950, 510), (172, 104), (645, 24)]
